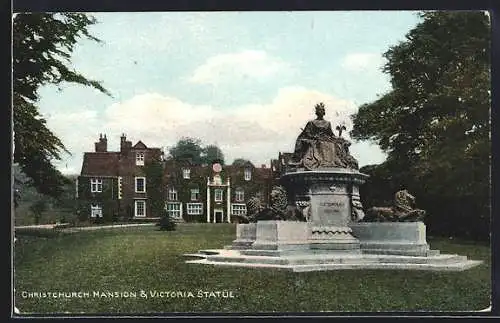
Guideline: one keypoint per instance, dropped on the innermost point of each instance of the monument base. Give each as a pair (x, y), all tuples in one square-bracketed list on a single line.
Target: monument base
[(392, 238), (245, 236), (290, 245), (333, 238), (281, 235)]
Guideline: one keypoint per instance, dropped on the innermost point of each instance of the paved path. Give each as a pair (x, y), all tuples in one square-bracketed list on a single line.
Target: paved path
[(112, 226), (39, 226), (76, 229)]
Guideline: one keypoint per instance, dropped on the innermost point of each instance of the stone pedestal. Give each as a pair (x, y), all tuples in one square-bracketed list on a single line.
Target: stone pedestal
[(245, 235), (281, 235), (329, 193), (393, 238)]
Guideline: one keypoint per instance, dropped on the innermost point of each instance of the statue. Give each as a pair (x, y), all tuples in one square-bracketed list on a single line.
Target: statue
[(357, 213), (254, 206), (346, 157), (278, 209), (317, 146), (402, 211)]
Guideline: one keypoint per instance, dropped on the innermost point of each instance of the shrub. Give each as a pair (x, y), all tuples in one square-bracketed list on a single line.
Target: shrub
[(166, 223)]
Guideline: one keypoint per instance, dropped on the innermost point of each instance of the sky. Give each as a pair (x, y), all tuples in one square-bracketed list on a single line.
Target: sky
[(245, 81)]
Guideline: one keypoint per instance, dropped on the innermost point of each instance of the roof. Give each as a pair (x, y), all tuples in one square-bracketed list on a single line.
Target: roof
[(140, 145), (173, 167), (100, 163)]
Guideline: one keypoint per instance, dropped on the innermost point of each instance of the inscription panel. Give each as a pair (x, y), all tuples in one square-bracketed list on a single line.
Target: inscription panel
[(330, 209)]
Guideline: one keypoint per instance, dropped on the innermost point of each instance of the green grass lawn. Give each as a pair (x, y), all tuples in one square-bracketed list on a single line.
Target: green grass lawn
[(146, 259)]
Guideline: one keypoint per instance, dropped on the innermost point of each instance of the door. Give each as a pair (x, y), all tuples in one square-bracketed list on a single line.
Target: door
[(219, 216)]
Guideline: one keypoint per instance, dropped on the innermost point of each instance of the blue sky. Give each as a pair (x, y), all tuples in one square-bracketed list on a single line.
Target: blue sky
[(246, 81)]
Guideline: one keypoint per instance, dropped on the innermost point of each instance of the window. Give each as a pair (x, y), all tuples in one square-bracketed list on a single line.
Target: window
[(139, 159), (239, 209), (218, 195), (172, 194), (195, 194), (140, 208), (194, 208), (186, 173), (120, 187), (217, 180), (95, 211), (174, 210), (140, 184), (240, 195), (248, 174), (96, 185)]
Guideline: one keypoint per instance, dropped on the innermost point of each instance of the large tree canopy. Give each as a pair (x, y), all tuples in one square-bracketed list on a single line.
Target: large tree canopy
[(42, 47), (212, 153), (187, 148), (191, 149), (241, 162), (435, 123)]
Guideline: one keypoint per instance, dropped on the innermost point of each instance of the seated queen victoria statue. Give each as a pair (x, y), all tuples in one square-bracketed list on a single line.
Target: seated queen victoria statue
[(318, 147)]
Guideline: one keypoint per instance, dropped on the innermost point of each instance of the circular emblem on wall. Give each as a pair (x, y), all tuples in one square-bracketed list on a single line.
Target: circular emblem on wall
[(217, 167)]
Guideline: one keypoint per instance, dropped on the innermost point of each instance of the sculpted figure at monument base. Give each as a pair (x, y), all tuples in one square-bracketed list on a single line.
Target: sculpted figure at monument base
[(402, 211), (278, 209)]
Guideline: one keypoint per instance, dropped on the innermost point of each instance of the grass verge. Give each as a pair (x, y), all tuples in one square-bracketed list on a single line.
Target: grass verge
[(125, 261)]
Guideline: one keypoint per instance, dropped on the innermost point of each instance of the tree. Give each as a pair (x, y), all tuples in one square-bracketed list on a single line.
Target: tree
[(212, 153), (187, 148), (65, 203), (38, 207), (42, 47), (241, 162), (154, 174), (166, 223), (434, 124)]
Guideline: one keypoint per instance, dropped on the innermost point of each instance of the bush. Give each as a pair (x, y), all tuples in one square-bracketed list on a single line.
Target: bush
[(166, 223)]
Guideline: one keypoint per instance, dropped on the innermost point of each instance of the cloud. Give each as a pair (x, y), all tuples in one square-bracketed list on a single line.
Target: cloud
[(78, 130), (238, 66), (254, 131), (361, 62)]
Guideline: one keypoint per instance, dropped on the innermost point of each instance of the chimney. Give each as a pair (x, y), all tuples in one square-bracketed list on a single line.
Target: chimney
[(102, 145), (124, 144)]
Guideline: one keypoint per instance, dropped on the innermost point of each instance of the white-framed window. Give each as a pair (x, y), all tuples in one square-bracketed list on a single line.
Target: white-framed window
[(140, 208), (120, 187), (239, 195), (238, 209), (248, 174), (218, 195), (194, 208), (195, 194), (186, 173), (174, 210), (96, 185), (139, 158), (140, 184), (217, 180), (172, 194), (95, 211)]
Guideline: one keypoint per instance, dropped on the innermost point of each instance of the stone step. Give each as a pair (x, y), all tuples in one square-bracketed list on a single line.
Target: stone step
[(210, 251), (318, 259), (306, 252), (438, 259), (460, 266), (322, 258), (413, 253), (433, 252)]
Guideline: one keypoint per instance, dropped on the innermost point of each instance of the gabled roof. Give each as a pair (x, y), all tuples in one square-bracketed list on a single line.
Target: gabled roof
[(140, 145), (100, 164)]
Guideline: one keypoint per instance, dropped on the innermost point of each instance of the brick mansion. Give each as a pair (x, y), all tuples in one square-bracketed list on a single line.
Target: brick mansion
[(114, 185)]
